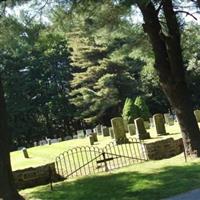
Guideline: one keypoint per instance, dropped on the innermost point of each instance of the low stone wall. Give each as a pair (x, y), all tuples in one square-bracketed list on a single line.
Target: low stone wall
[(165, 148), (31, 177)]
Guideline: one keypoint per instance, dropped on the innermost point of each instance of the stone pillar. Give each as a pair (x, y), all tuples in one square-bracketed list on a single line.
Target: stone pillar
[(105, 131), (118, 130), (197, 115), (141, 132), (111, 132), (159, 124), (131, 129), (25, 153), (91, 139)]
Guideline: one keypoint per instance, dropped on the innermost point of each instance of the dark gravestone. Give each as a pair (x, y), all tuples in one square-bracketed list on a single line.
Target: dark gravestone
[(141, 132)]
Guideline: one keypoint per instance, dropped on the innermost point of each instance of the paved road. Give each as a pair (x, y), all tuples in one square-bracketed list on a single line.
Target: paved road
[(192, 195)]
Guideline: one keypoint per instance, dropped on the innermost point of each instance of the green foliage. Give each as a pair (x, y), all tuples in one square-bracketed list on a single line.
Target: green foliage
[(49, 87), (36, 75), (102, 79), (142, 107), (130, 110), (149, 84)]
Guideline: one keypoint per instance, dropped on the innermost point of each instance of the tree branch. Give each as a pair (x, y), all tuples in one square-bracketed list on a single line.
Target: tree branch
[(187, 13)]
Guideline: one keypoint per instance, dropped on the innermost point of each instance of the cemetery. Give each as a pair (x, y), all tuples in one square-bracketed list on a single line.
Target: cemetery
[(99, 100), (99, 151), (31, 166)]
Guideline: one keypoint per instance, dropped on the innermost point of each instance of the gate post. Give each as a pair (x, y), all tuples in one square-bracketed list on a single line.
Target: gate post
[(104, 158)]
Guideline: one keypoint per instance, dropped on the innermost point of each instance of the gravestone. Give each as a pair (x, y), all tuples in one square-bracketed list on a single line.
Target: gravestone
[(111, 133), (175, 118), (146, 125), (91, 139), (80, 134), (197, 115), (25, 153), (68, 137), (141, 132), (125, 125), (54, 141), (75, 137), (20, 148), (88, 132), (131, 129), (159, 124), (95, 136), (118, 130), (168, 119), (151, 122), (98, 129), (49, 141), (42, 142), (105, 131), (35, 144)]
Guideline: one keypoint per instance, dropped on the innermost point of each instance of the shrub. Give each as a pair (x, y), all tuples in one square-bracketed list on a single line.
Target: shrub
[(142, 108), (130, 110)]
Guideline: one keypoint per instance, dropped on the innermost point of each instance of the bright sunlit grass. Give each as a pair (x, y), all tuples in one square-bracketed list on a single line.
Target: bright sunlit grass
[(46, 154)]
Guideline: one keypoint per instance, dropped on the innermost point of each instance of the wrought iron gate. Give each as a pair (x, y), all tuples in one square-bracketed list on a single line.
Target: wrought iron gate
[(88, 160)]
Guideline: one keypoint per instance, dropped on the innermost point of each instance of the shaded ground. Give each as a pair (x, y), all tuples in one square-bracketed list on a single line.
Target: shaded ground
[(147, 181)]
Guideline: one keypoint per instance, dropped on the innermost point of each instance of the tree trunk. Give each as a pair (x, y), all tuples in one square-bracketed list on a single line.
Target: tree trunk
[(7, 186), (169, 65), (179, 98)]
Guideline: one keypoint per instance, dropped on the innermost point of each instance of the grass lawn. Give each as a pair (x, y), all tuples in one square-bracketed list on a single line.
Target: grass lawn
[(45, 154), (147, 181)]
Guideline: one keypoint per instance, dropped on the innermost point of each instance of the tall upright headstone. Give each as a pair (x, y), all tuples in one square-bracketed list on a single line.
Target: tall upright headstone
[(118, 130), (111, 132), (105, 131), (94, 134), (151, 122), (131, 129), (159, 124), (91, 139), (125, 125), (141, 132), (197, 115), (98, 129)]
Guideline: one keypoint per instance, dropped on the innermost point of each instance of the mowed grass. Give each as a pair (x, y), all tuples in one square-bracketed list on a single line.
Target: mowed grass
[(42, 155), (151, 180)]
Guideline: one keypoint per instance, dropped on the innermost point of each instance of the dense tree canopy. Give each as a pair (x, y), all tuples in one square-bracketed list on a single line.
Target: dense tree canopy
[(82, 68)]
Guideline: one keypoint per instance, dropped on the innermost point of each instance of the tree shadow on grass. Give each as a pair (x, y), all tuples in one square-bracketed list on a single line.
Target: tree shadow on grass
[(126, 185)]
